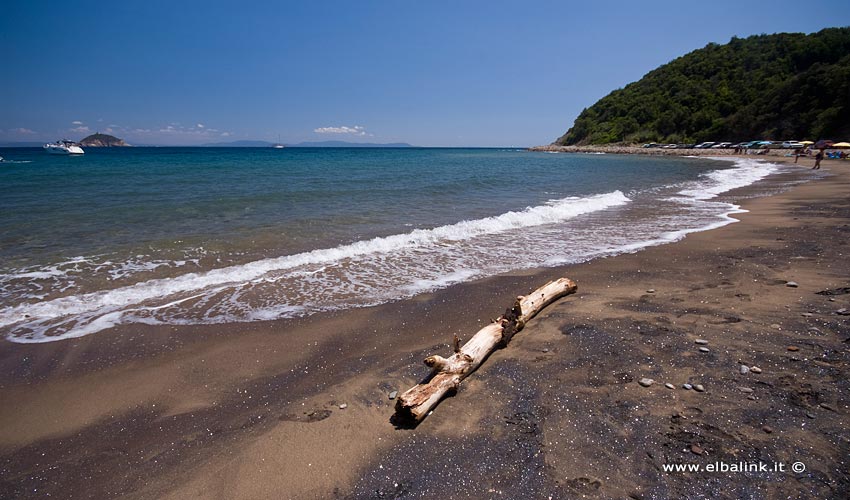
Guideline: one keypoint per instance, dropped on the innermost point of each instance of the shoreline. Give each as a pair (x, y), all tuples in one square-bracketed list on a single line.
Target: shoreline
[(254, 408), (771, 154)]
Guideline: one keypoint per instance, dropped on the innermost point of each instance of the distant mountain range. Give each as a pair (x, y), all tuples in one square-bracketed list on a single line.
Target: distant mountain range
[(240, 144), (322, 144)]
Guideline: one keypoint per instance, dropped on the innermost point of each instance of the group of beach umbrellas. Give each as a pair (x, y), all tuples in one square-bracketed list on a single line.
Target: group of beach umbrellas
[(825, 144)]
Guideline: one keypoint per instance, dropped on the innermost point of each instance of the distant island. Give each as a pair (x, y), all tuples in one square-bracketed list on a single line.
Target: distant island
[(99, 140), (323, 144), (776, 87)]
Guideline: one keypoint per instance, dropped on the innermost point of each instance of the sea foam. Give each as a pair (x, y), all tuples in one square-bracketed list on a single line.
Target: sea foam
[(78, 315)]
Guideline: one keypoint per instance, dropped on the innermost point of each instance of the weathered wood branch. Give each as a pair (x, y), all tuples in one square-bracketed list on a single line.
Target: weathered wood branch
[(415, 403)]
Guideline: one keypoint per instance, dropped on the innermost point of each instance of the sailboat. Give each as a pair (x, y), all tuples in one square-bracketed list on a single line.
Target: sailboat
[(278, 144)]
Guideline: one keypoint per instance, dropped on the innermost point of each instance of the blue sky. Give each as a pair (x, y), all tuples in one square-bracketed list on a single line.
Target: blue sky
[(437, 73)]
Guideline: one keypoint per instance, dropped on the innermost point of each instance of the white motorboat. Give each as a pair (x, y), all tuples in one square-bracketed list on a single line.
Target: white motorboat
[(64, 147)]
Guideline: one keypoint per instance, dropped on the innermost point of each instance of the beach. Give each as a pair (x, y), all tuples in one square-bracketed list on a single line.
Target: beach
[(300, 408)]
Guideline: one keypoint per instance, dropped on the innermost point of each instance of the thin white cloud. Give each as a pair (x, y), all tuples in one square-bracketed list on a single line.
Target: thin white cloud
[(22, 130), (82, 129), (76, 122), (355, 130), (200, 125)]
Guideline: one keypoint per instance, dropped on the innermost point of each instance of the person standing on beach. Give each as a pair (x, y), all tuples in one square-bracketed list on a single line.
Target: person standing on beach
[(818, 158)]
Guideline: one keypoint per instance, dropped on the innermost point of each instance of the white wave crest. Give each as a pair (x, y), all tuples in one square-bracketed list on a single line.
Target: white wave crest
[(78, 315)]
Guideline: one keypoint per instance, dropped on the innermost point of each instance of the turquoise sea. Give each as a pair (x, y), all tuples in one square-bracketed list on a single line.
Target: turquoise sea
[(213, 235)]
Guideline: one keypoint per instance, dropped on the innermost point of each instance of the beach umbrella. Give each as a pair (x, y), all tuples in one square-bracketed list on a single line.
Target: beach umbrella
[(806, 143), (841, 145), (823, 144)]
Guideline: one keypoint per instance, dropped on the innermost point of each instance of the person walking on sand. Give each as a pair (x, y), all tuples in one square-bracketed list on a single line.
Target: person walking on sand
[(818, 158)]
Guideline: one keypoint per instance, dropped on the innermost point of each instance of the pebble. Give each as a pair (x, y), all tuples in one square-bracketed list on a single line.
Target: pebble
[(768, 429), (776, 326), (746, 390), (646, 382), (696, 450), (843, 312), (744, 369), (343, 406), (651, 290), (701, 341), (704, 349), (687, 387), (393, 394), (545, 349), (827, 407), (791, 284), (669, 385), (751, 398), (755, 369), (699, 388), (811, 416), (793, 348), (807, 315)]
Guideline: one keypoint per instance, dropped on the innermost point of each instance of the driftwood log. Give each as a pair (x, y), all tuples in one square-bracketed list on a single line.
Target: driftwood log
[(415, 403)]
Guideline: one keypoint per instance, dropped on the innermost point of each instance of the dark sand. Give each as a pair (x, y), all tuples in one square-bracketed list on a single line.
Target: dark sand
[(252, 411)]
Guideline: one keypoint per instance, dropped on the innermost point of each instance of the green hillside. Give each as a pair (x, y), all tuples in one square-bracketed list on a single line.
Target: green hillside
[(774, 87)]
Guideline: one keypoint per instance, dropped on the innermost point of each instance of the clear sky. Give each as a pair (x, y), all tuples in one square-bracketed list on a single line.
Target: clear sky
[(430, 73)]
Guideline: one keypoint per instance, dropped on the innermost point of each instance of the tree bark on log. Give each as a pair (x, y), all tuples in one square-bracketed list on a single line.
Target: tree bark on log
[(416, 402)]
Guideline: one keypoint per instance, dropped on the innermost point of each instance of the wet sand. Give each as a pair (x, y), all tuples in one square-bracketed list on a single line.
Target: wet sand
[(253, 410)]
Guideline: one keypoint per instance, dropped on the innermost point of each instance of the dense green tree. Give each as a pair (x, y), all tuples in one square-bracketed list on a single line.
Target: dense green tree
[(776, 87)]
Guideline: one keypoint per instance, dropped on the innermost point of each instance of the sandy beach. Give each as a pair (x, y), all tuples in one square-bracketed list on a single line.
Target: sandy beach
[(300, 408)]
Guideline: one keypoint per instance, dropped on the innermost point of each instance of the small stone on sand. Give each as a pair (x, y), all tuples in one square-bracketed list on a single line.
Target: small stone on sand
[(793, 348), (699, 388), (746, 390), (651, 290), (744, 369), (343, 406), (704, 349), (646, 382), (701, 341), (669, 385), (755, 369), (696, 450), (687, 387), (792, 284), (768, 429), (393, 394)]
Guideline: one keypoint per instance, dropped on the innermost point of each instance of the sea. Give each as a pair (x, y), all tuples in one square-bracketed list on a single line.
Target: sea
[(194, 236)]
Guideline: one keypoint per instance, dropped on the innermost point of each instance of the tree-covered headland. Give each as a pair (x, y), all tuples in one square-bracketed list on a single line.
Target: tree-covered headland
[(772, 87)]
